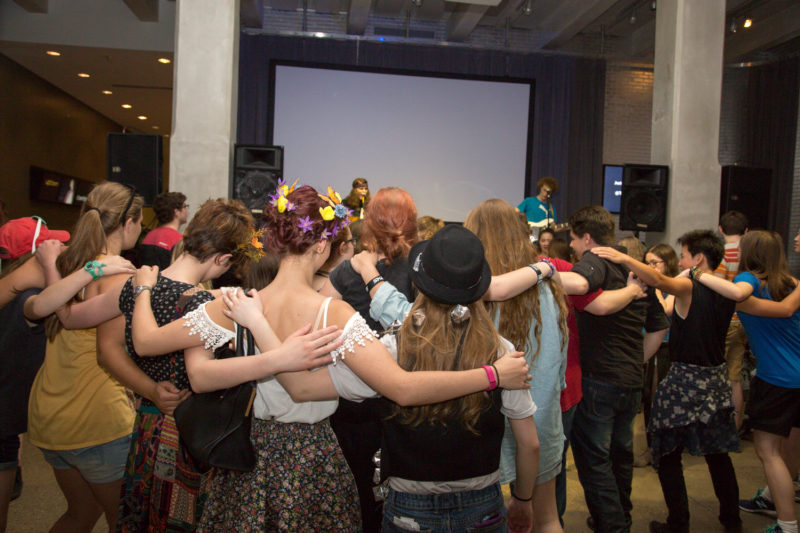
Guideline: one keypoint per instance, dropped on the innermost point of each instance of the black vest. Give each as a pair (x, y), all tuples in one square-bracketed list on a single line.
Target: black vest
[(442, 452)]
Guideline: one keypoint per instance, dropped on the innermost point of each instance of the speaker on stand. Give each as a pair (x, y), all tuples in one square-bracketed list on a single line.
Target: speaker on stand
[(643, 204), (135, 159), (747, 190), (255, 174)]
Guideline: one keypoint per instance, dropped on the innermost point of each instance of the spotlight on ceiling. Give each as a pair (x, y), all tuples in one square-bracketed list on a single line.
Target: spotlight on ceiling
[(747, 23)]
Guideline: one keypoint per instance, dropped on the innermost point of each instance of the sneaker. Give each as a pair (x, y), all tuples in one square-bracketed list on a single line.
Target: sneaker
[(758, 504), (774, 528)]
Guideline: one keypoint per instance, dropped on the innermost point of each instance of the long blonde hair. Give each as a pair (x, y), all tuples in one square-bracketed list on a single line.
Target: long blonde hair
[(107, 207), (507, 244), (434, 345)]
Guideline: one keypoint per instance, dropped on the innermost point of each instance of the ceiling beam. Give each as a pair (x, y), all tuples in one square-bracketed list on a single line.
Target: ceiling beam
[(570, 17), (145, 10), (357, 16), (251, 13), (779, 27), (33, 6), (463, 20)]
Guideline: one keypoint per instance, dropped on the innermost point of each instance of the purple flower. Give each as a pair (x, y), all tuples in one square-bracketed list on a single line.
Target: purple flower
[(325, 235), (305, 224)]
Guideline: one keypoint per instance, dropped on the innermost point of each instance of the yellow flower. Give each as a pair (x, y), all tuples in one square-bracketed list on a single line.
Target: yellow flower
[(282, 201), (284, 190), (326, 212)]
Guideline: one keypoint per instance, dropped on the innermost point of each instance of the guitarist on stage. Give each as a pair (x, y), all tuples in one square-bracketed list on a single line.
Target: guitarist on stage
[(539, 209)]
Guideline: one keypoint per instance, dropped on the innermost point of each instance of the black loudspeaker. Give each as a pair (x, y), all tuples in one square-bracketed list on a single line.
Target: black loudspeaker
[(135, 159), (256, 170), (643, 204), (746, 190)]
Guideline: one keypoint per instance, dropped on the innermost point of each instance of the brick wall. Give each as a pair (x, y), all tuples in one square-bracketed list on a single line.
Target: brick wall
[(628, 108)]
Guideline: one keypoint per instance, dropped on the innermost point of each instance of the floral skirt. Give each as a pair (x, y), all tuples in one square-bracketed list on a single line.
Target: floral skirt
[(161, 490), (693, 409), (301, 482)]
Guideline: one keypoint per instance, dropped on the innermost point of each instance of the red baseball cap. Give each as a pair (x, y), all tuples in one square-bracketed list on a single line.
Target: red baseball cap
[(17, 236)]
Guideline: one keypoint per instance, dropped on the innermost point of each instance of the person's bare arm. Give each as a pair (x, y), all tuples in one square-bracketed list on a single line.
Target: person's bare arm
[(769, 308), (112, 356), (609, 302), (520, 513), (508, 285), (373, 364), (60, 292), (679, 286), (652, 342), (28, 276), (573, 283), (737, 292)]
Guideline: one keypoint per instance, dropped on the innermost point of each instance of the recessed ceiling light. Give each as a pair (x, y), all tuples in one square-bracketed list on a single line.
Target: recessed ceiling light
[(155, 127), (126, 106), (164, 60), (747, 23), (53, 53), (142, 117), (107, 92), (83, 75)]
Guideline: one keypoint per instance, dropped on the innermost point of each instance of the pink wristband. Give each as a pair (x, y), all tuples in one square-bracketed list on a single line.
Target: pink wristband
[(492, 378)]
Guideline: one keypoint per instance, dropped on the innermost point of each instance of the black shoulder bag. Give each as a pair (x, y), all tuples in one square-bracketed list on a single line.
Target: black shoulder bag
[(214, 427)]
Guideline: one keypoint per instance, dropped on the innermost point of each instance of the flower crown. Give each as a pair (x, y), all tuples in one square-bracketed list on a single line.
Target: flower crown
[(334, 209), (253, 248), (279, 199)]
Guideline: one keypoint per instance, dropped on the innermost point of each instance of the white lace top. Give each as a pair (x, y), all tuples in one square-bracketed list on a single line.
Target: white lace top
[(272, 401)]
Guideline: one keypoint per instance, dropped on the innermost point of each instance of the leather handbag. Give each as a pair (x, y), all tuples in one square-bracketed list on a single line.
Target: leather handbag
[(214, 427)]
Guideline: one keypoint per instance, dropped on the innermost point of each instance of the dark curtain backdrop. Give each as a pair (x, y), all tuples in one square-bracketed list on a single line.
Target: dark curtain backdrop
[(567, 137), (770, 130)]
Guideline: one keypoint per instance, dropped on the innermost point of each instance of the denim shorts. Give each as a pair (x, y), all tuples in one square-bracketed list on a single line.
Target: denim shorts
[(471, 510), (103, 463), (9, 452)]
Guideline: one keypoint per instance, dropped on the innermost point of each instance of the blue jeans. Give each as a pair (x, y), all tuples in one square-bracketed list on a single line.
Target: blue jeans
[(602, 444), (567, 418), (472, 510)]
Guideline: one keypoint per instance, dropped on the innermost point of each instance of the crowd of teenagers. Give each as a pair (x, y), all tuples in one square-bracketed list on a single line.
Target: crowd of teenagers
[(405, 370)]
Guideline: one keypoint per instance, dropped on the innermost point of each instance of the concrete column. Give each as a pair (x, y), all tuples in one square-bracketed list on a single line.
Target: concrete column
[(687, 88), (204, 98)]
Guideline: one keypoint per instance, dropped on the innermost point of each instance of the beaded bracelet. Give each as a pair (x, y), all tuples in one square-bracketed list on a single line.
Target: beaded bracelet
[(95, 268), (549, 263)]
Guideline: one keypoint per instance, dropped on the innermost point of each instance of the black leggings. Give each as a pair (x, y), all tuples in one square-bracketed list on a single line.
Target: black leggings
[(670, 473), (9, 449)]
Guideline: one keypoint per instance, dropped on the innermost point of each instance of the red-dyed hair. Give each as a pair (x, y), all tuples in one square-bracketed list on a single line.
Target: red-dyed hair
[(283, 235), (391, 222)]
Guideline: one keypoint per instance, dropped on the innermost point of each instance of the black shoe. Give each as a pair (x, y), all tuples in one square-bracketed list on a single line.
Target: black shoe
[(16, 492), (663, 527), (590, 522)]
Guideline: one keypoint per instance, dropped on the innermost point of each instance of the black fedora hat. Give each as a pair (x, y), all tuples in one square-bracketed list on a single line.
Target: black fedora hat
[(450, 268)]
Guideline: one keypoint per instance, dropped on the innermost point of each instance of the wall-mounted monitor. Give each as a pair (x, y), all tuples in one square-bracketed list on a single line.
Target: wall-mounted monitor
[(51, 186), (612, 187)]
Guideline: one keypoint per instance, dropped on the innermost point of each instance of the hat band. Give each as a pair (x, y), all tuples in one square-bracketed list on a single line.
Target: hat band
[(36, 232), (418, 266)]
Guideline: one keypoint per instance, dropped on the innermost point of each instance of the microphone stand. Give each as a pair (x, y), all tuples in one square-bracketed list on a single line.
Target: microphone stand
[(549, 210)]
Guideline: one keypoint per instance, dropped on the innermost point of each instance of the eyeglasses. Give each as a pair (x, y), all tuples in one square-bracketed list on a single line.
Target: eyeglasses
[(654, 263), (124, 216), (185, 206)]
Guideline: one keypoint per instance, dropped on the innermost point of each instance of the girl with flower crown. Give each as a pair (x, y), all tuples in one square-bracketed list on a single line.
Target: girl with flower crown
[(301, 481)]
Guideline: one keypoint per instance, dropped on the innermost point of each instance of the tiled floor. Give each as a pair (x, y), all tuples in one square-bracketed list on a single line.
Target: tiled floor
[(41, 501)]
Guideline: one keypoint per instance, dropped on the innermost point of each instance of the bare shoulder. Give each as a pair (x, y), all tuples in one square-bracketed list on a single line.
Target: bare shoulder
[(339, 312)]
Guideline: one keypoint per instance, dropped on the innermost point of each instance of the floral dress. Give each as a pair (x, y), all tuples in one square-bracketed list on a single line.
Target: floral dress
[(301, 481)]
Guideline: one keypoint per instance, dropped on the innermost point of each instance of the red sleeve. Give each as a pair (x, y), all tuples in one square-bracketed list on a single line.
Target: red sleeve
[(579, 301)]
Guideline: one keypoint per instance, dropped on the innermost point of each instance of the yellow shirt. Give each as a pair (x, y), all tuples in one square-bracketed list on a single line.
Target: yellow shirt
[(74, 402)]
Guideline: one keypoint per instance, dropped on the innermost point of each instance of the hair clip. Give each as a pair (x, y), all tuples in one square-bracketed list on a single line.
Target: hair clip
[(253, 248), (459, 314), (418, 318)]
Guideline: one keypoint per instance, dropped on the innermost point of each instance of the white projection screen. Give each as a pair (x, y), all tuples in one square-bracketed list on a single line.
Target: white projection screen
[(451, 143)]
